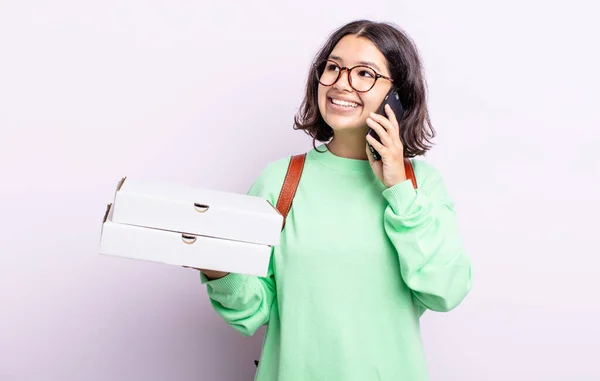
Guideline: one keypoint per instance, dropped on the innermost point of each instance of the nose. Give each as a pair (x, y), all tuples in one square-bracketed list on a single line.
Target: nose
[(343, 82)]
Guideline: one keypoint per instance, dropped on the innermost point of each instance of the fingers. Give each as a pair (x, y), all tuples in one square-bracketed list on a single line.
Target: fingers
[(390, 123), (391, 127), (392, 117), (381, 131), (378, 147), (369, 154)]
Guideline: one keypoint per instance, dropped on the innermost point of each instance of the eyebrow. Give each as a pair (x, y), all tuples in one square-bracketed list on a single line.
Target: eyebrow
[(368, 63)]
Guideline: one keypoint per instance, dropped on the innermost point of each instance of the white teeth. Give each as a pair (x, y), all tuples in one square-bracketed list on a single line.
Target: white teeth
[(344, 103)]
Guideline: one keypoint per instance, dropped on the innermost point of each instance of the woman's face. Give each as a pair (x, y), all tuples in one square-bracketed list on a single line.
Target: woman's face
[(340, 105)]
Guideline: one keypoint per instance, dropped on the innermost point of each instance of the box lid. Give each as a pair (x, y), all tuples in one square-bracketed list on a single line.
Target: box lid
[(197, 211)]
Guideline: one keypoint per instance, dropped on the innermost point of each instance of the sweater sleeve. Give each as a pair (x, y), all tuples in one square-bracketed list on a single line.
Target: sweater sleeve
[(422, 226), (245, 301)]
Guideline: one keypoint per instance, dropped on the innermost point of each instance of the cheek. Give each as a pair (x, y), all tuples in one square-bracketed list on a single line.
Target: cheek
[(372, 99), (371, 104), (321, 99)]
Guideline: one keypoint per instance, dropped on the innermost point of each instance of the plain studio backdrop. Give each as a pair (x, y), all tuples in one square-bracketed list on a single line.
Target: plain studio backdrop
[(204, 94)]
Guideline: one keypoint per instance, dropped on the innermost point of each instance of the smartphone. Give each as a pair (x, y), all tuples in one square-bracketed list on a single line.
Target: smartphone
[(393, 99)]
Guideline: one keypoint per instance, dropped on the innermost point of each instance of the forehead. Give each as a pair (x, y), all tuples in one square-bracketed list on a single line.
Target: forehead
[(352, 50)]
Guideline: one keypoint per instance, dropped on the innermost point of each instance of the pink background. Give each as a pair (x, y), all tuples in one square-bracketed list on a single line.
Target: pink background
[(190, 92)]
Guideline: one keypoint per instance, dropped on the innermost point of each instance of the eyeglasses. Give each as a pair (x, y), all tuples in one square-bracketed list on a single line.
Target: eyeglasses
[(361, 78)]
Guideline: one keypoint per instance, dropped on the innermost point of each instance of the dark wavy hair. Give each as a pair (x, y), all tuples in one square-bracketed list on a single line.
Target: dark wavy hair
[(405, 67)]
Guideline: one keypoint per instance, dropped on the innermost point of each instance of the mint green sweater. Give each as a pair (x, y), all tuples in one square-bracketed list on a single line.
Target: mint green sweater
[(356, 268)]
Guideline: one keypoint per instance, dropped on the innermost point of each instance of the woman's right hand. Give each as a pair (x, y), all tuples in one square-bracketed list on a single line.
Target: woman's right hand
[(210, 274), (213, 274)]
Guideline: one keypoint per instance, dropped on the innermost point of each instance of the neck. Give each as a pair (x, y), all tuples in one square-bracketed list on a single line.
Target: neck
[(349, 144)]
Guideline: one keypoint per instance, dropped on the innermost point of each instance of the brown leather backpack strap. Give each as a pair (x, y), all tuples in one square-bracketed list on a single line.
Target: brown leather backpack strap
[(410, 172), (290, 184)]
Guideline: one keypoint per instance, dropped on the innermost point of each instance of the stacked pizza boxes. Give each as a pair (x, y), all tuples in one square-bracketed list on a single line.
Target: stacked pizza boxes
[(185, 226)]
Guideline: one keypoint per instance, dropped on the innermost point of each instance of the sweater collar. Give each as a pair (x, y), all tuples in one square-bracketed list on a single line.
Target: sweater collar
[(323, 156)]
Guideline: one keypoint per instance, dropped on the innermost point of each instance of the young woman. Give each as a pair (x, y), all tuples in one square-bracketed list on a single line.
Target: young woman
[(363, 253)]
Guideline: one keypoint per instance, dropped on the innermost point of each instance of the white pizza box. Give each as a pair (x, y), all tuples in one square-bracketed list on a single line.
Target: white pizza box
[(182, 249), (197, 211)]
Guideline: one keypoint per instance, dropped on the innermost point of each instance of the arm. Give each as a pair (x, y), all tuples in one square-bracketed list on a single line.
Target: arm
[(245, 301), (422, 226)]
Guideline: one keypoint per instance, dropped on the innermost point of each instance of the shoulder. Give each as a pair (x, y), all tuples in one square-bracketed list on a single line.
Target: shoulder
[(427, 174), (430, 180), (268, 183), (424, 170)]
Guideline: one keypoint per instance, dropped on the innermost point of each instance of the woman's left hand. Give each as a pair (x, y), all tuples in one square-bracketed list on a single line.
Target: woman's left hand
[(390, 169)]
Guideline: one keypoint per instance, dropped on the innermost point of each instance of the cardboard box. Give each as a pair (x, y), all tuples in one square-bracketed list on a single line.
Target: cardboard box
[(219, 231), (205, 212)]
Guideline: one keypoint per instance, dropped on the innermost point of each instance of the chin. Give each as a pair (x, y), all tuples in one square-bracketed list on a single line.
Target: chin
[(345, 124)]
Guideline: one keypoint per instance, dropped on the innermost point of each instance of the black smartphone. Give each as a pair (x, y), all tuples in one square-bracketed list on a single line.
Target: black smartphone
[(393, 99)]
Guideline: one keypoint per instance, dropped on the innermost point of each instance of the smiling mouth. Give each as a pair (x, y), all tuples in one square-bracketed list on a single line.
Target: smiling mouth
[(341, 103)]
